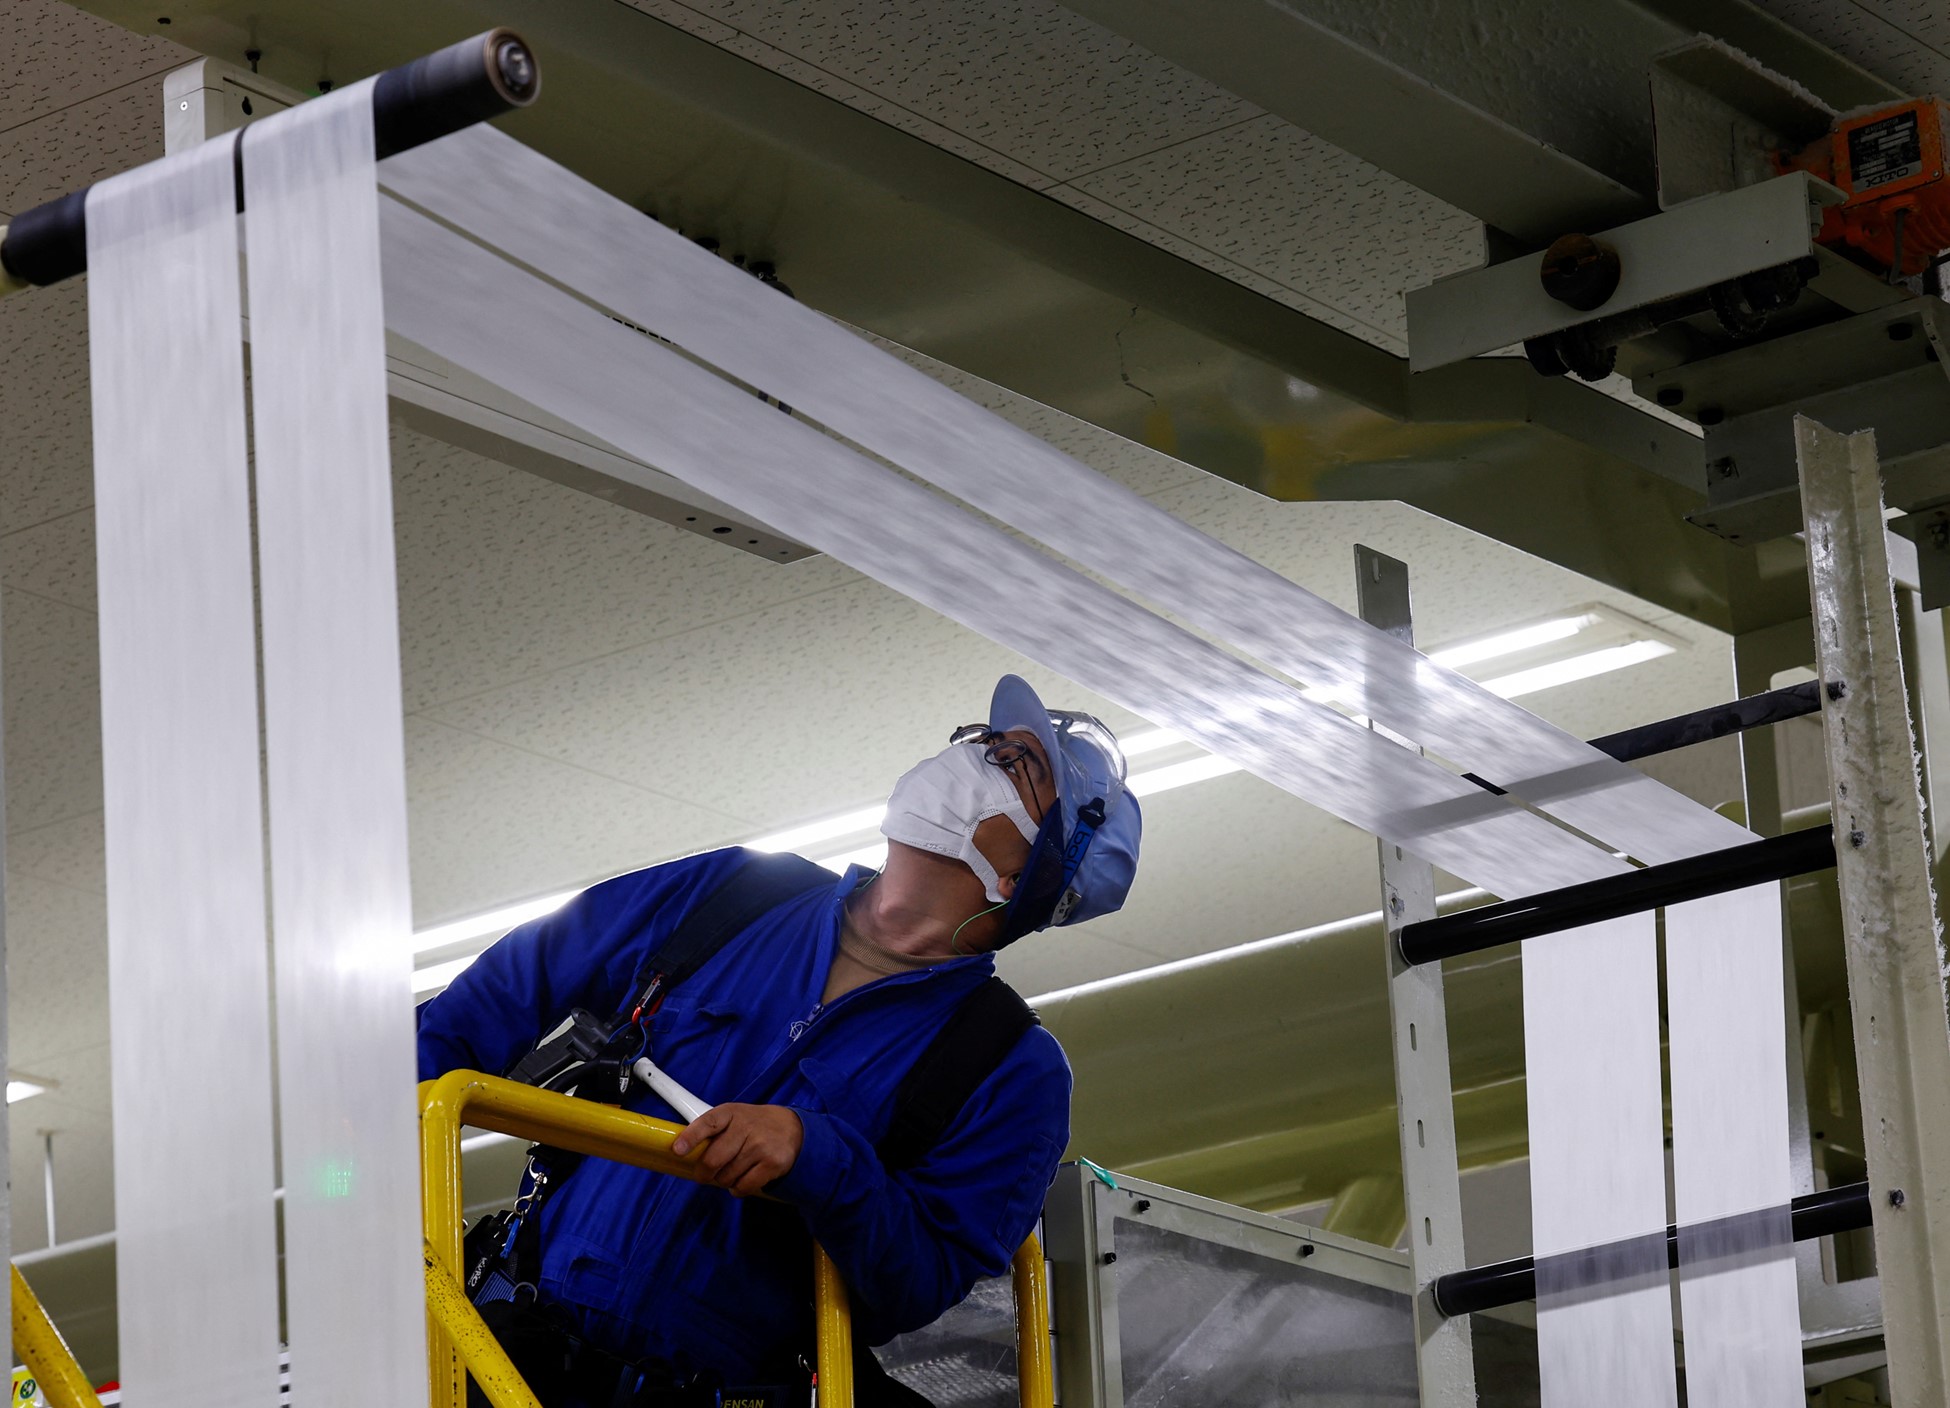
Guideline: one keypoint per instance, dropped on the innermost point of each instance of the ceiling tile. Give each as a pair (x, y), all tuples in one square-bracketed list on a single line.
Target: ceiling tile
[(811, 707), (1906, 42), (57, 962), (52, 711), (915, 124), (1029, 79), (1287, 205), (44, 405), (68, 852), (1207, 259), (54, 559), (504, 575), (49, 52), (78, 145), (491, 824)]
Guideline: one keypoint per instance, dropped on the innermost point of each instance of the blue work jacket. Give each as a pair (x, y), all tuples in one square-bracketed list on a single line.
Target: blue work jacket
[(648, 1264)]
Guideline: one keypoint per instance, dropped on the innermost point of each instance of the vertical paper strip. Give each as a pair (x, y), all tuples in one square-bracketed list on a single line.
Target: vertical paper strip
[(1597, 1166), (1731, 1183), (189, 995), (341, 910)]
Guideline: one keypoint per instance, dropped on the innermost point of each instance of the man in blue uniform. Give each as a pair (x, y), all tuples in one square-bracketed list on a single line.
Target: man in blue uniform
[(801, 1029)]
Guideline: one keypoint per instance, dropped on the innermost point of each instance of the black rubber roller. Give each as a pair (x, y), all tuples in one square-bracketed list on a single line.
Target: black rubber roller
[(412, 105), (455, 87)]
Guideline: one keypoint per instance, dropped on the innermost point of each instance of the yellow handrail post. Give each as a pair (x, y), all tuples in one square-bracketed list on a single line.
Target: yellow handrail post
[(1035, 1375), (832, 1333), (467, 1332), (460, 1343), (441, 1108), (46, 1354)]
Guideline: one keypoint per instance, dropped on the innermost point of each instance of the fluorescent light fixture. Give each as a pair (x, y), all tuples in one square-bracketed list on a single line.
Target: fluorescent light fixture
[(496, 922), (1199, 769), (438, 975), (795, 838), (1494, 647), (19, 1089), (1578, 667), (872, 857), (1149, 740)]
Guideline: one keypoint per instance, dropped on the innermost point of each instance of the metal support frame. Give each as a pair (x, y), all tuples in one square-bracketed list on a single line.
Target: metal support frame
[(1419, 1028), (1889, 923), (1089, 1356), (1681, 251), (1833, 1313), (1079, 1220)]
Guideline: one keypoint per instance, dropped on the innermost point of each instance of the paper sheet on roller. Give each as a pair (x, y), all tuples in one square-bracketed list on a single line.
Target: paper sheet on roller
[(1731, 1186), (658, 279), (458, 300), (188, 970), (1597, 1166), (335, 758)]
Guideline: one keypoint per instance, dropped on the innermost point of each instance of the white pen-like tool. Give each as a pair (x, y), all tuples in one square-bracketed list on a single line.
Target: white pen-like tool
[(678, 1098)]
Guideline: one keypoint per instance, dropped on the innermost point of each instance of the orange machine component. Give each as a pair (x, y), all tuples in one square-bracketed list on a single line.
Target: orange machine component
[(1889, 162)]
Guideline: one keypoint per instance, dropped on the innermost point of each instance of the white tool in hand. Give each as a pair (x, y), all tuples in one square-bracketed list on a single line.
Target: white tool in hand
[(679, 1099)]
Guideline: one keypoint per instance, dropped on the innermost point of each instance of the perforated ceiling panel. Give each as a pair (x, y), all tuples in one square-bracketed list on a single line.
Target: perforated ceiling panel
[(1035, 92), (1904, 41)]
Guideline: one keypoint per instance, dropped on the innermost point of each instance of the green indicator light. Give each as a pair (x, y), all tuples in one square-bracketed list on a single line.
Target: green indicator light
[(335, 1180)]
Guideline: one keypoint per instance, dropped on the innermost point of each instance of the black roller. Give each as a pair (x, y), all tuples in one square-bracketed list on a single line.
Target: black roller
[(452, 88), (1511, 1282), (412, 105), (1715, 873), (48, 243)]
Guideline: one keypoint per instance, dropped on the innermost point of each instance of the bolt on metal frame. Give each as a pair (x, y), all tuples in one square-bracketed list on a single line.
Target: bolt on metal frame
[(1079, 1222), (460, 1343)]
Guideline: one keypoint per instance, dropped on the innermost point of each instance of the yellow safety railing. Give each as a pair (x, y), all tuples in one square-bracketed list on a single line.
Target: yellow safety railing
[(459, 1342), (46, 1354)]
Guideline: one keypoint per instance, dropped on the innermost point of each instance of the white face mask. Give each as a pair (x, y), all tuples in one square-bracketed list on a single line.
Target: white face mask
[(939, 802)]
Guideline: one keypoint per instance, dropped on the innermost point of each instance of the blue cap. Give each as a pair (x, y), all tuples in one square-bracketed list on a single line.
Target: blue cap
[(1089, 768)]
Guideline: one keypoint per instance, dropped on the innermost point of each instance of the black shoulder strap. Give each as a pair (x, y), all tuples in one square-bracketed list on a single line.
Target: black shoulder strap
[(759, 885), (982, 1031)]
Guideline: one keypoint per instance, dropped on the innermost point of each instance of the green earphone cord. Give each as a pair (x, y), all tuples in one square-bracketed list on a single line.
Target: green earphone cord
[(954, 947)]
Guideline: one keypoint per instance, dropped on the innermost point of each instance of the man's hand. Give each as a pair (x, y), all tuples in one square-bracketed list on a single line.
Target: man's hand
[(750, 1145)]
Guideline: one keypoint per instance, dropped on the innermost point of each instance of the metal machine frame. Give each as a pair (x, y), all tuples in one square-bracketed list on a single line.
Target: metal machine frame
[(1078, 1225), (1867, 621)]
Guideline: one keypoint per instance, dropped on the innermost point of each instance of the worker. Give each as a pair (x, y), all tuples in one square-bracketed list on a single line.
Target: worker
[(803, 1028)]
